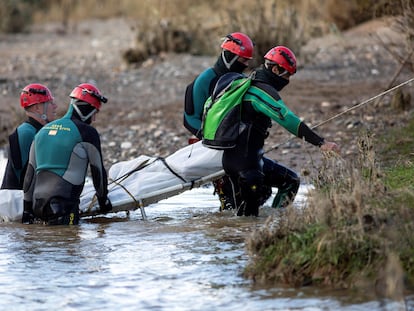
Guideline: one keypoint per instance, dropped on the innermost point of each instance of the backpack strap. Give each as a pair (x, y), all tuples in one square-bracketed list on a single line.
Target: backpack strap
[(224, 84), (188, 99)]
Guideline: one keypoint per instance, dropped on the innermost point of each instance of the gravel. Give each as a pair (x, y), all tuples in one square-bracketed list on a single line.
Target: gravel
[(144, 112)]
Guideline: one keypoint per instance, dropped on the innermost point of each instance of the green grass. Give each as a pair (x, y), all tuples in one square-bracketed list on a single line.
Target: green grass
[(400, 176), (397, 157), (357, 226)]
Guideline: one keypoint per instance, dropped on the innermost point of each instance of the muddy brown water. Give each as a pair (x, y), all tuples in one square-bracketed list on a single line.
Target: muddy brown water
[(185, 256)]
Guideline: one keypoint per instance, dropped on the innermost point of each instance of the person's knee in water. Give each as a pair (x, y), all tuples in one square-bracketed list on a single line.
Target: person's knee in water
[(53, 184), (57, 211), (284, 179), (236, 52), (251, 188), (261, 105)]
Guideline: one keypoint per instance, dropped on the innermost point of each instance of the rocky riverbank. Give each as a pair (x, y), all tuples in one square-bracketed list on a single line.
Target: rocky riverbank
[(144, 112)]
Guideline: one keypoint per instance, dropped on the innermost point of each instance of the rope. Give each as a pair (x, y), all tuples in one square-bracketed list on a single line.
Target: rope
[(95, 199), (365, 102), (143, 165), (171, 170), (119, 180), (146, 162), (137, 204), (136, 169), (350, 109)]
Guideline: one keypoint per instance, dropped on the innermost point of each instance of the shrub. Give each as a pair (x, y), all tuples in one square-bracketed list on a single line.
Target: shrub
[(15, 16), (357, 221)]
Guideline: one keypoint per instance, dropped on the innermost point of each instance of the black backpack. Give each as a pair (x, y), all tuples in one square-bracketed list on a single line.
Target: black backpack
[(189, 104)]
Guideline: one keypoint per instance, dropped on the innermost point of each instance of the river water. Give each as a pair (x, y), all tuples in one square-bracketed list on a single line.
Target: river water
[(185, 256)]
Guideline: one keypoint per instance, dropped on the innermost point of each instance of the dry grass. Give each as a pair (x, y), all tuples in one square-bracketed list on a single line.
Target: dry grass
[(197, 26), (351, 228)]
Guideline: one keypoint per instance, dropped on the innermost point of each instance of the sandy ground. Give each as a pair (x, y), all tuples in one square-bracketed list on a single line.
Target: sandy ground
[(144, 113)]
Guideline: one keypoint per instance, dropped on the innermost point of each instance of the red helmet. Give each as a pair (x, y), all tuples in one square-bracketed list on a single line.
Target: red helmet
[(238, 43), (33, 94), (284, 57), (90, 94)]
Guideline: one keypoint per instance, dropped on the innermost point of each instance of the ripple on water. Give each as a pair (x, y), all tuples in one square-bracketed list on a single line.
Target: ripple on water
[(186, 256)]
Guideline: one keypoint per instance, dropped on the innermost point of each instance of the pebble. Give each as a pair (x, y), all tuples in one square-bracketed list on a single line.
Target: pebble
[(144, 111), (126, 145)]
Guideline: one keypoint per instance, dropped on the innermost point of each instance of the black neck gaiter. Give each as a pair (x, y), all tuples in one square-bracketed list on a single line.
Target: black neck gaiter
[(266, 75), (221, 68)]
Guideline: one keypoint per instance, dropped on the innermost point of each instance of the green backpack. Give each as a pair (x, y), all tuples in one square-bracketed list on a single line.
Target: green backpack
[(222, 125)]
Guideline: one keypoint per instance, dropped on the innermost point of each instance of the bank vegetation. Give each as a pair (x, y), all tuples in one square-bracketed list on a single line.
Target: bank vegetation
[(356, 228), (197, 26)]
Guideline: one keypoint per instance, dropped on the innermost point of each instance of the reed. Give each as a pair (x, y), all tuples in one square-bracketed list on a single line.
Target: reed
[(197, 26), (357, 220)]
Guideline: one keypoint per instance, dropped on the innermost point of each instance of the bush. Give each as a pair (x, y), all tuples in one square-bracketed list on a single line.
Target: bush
[(15, 16), (349, 13), (357, 221), (268, 23), (197, 26)]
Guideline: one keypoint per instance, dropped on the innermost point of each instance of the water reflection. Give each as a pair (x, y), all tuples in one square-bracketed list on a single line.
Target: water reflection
[(186, 256)]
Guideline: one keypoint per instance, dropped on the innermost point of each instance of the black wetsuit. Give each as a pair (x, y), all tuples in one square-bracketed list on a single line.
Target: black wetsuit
[(59, 159), (196, 95), (246, 164), (18, 153)]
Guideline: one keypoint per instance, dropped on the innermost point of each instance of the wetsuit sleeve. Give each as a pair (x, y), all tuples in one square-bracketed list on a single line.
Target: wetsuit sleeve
[(275, 108), (309, 135), (10, 180), (29, 179), (92, 145), (28, 187), (18, 154)]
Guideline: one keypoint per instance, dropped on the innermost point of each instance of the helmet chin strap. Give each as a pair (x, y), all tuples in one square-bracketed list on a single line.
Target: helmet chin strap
[(82, 117), (285, 72), (231, 62), (42, 116)]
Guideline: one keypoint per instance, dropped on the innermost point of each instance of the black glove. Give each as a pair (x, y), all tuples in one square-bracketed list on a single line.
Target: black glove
[(105, 206), (28, 216)]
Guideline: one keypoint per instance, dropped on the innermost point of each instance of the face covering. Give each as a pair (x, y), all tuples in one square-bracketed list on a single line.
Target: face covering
[(231, 63), (280, 82), (238, 67), (277, 81)]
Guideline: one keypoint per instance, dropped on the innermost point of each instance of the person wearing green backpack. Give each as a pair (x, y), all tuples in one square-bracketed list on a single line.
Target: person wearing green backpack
[(236, 53), (245, 162)]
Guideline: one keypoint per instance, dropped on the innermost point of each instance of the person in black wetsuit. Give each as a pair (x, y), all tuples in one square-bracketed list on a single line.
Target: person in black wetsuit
[(237, 51), (59, 159), (38, 104), (245, 163)]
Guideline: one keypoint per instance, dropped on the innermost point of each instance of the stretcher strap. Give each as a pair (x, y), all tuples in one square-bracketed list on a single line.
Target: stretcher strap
[(137, 203), (126, 175), (171, 170), (94, 198)]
